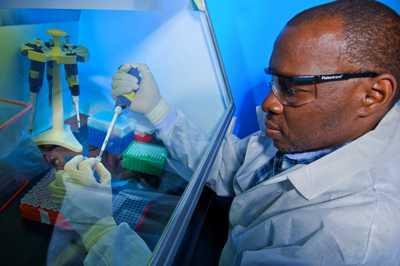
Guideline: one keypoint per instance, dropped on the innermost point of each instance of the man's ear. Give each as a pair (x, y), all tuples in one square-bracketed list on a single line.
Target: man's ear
[(379, 95)]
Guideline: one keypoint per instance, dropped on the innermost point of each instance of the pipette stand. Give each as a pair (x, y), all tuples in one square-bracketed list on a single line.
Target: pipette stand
[(59, 134)]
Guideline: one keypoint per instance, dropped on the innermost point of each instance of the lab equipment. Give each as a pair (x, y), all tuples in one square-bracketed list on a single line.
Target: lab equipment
[(145, 158), (38, 204), (130, 208), (20, 159), (148, 100), (36, 72), (143, 137), (52, 54), (49, 78), (122, 133), (144, 129), (122, 101), (71, 72), (7, 202), (13, 117)]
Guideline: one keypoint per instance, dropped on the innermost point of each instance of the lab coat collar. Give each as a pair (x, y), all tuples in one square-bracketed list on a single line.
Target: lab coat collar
[(325, 173)]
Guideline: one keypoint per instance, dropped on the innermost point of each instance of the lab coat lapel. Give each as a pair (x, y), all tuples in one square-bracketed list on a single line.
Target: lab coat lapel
[(259, 151), (322, 175), (310, 181)]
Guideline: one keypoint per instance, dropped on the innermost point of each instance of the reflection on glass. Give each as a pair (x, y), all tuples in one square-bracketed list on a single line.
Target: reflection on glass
[(125, 203), (116, 210)]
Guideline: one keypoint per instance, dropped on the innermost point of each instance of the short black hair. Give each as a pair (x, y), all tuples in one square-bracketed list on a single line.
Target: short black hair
[(371, 31)]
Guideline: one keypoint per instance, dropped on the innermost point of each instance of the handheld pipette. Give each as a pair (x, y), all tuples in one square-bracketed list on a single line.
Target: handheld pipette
[(71, 71), (36, 73), (121, 103)]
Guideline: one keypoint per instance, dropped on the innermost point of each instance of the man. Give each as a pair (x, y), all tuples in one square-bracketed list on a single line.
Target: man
[(323, 187)]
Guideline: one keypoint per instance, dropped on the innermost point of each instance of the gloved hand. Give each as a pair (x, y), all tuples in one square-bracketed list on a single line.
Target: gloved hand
[(57, 188), (72, 174), (148, 99), (87, 204), (122, 246)]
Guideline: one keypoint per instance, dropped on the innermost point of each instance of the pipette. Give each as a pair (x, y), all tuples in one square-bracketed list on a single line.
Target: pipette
[(121, 103), (71, 73), (36, 73)]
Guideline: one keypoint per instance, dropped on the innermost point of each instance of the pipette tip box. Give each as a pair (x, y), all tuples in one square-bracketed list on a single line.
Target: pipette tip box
[(131, 209), (145, 158), (121, 135), (38, 205)]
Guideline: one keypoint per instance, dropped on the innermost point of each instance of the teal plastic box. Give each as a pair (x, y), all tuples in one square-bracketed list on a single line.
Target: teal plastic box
[(145, 158)]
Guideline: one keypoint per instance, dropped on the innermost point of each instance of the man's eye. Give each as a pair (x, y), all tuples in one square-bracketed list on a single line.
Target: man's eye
[(291, 91)]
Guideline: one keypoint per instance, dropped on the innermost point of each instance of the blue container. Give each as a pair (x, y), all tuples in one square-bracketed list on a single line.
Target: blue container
[(121, 136)]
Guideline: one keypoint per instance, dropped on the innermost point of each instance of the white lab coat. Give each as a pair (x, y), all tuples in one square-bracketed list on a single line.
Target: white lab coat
[(342, 209)]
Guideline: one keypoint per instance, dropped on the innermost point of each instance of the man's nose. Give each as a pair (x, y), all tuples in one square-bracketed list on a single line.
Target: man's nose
[(271, 104)]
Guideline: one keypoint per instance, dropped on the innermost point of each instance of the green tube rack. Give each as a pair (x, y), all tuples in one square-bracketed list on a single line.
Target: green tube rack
[(145, 158)]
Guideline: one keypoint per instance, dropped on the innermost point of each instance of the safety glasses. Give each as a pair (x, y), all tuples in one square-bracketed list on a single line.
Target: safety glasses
[(300, 90)]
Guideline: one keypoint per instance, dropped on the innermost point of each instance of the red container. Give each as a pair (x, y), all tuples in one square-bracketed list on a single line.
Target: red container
[(42, 215), (12, 123), (143, 137)]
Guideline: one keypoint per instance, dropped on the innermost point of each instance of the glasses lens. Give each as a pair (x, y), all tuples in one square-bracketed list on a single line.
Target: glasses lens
[(290, 93)]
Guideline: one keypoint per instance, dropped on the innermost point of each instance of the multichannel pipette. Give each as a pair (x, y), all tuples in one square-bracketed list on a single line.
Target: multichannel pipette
[(121, 103)]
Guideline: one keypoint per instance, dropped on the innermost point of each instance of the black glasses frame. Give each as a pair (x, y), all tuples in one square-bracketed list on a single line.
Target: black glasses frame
[(313, 79)]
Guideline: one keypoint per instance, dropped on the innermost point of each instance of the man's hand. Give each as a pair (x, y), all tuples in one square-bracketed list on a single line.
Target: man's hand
[(86, 201), (137, 78), (81, 171), (87, 206)]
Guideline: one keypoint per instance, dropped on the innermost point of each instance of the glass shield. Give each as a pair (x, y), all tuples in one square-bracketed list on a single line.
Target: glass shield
[(128, 206)]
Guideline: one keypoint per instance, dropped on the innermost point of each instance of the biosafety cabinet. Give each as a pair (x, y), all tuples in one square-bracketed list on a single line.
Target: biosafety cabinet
[(57, 62)]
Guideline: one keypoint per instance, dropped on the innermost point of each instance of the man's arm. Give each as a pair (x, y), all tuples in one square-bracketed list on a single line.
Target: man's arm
[(319, 248), (187, 143), (121, 246)]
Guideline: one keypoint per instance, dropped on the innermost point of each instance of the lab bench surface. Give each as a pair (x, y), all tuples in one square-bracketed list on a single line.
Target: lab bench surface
[(23, 242), (26, 242)]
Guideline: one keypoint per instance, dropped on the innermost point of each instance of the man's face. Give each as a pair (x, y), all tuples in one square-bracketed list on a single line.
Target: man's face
[(330, 119)]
